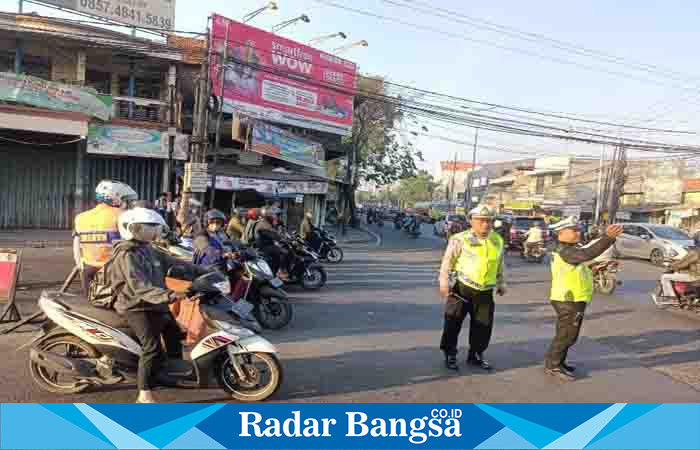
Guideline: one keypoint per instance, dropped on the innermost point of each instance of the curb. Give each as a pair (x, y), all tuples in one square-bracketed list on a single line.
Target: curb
[(377, 237)]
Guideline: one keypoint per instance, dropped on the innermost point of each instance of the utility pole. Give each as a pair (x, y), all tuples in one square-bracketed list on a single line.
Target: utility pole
[(217, 142), (468, 201), (600, 182), (200, 139), (172, 130), (452, 184)]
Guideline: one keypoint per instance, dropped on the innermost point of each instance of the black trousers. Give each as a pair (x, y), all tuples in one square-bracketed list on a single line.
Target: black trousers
[(568, 328), (274, 257), (479, 306), (149, 326), (86, 277)]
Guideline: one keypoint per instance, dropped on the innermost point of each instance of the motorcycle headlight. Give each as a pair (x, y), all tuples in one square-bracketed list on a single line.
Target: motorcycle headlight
[(262, 266), (223, 286)]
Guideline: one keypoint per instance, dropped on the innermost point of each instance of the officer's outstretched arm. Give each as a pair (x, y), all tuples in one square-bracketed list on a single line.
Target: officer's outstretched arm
[(578, 255)]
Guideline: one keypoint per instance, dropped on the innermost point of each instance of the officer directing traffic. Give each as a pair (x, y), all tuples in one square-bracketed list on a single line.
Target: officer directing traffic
[(472, 268), (572, 290)]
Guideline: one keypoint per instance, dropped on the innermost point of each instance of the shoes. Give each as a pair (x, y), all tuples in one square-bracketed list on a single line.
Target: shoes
[(451, 362), (561, 373), (477, 360)]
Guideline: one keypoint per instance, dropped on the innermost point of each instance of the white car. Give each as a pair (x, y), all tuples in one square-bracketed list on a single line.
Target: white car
[(653, 242)]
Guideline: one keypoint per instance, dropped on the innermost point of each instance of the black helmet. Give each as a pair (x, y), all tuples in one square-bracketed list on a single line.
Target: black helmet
[(215, 214)]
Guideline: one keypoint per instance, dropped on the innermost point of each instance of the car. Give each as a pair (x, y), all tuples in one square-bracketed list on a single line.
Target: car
[(519, 226), (653, 242)]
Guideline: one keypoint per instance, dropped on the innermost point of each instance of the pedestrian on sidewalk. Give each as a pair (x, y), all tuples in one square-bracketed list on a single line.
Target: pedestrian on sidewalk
[(572, 290), (471, 270)]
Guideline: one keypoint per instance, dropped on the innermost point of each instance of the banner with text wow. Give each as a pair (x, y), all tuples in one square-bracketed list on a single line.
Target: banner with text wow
[(342, 426)]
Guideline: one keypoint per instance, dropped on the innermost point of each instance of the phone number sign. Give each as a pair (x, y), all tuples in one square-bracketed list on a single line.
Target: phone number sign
[(141, 13)]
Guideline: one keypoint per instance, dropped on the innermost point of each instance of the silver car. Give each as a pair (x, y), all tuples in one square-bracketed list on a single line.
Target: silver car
[(653, 242)]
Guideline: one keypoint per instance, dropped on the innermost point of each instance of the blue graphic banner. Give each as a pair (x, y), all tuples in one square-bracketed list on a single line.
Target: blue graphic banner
[(342, 426)]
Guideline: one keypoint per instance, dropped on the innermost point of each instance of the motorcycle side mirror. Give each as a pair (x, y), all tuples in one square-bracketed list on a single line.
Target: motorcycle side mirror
[(646, 237)]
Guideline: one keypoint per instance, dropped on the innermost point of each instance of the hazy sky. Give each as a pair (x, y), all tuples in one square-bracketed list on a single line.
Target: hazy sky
[(663, 34)]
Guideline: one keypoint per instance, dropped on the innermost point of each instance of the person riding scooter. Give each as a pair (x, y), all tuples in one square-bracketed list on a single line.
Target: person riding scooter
[(208, 245), (686, 269), (136, 273), (265, 240), (533, 239)]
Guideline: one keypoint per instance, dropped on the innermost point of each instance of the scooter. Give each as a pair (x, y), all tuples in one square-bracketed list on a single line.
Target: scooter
[(686, 294), (605, 276), (303, 265), (329, 250), (252, 281), (81, 346)]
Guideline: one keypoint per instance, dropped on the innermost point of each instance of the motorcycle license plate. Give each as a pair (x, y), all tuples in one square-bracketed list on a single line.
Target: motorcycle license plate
[(276, 283), (612, 270)]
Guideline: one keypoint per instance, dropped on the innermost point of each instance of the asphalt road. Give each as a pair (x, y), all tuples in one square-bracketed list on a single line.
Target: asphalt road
[(372, 335)]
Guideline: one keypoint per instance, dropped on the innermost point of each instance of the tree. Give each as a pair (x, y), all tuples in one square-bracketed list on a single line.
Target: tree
[(419, 188), (375, 153)]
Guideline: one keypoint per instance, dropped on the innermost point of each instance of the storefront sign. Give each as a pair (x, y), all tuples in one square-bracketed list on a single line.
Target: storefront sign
[(272, 78), (140, 142), (142, 13), (623, 215), (52, 95), (273, 187), (194, 49), (281, 144)]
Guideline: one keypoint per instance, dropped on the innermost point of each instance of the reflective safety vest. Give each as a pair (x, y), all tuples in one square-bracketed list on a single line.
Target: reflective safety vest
[(479, 260), (97, 229), (570, 283)]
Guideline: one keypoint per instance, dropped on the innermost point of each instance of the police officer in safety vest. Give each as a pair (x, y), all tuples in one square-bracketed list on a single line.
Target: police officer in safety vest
[(472, 268), (572, 290), (96, 229)]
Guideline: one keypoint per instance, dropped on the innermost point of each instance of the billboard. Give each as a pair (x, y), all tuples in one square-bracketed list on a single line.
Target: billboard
[(282, 144), (456, 166), (142, 13), (272, 78), (119, 140)]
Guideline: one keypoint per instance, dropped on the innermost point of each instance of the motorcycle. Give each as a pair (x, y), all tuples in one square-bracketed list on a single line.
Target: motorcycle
[(533, 252), (605, 276), (686, 294), (329, 250), (411, 227), (253, 281), (303, 265), (81, 346), (180, 248)]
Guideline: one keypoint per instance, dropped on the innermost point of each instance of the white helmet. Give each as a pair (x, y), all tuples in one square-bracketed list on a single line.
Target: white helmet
[(141, 224), (114, 193)]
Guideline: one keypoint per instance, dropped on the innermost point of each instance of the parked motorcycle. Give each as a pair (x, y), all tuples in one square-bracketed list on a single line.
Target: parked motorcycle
[(605, 276), (81, 346), (254, 282), (533, 252)]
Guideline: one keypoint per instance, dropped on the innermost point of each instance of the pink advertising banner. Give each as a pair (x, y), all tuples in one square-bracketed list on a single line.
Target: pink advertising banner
[(272, 78)]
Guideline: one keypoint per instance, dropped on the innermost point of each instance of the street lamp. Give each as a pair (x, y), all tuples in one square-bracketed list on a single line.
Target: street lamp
[(272, 6), (318, 40), (303, 18), (345, 48)]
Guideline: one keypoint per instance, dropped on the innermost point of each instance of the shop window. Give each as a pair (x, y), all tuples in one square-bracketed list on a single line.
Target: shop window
[(556, 178), (100, 81), (144, 87), (7, 62)]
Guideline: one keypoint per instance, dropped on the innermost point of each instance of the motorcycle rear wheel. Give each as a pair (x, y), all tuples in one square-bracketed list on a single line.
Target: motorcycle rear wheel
[(250, 390), (273, 313), (74, 348), (335, 255)]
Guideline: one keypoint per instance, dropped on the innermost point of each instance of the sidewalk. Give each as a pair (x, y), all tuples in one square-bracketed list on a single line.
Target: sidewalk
[(353, 235), (36, 238)]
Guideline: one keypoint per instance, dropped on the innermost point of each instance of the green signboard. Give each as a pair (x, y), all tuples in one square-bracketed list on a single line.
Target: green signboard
[(52, 95)]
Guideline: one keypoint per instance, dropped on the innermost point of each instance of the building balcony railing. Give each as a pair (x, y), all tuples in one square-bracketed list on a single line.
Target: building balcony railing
[(140, 109)]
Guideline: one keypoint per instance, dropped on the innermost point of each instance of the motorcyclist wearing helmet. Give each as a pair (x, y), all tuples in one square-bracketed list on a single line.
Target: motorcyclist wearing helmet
[(308, 231), (235, 227), (97, 228), (250, 225), (136, 273), (266, 238), (208, 244)]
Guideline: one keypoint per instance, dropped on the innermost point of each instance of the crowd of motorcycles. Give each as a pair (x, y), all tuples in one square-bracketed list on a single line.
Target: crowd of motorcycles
[(81, 346)]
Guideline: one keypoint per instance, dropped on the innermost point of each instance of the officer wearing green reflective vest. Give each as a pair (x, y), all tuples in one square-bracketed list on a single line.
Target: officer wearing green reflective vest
[(472, 268), (572, 290)]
